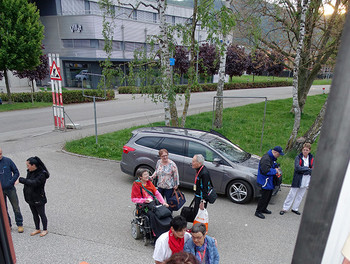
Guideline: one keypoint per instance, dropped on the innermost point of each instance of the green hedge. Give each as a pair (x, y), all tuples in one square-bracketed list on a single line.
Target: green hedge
[(68, 97), (204, 87)]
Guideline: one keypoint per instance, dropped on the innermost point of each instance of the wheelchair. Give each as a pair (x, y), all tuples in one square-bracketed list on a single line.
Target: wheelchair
[(140, 225)]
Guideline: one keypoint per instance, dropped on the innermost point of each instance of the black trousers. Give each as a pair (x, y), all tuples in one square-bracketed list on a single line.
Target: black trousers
[(39, 210), (264, 200)]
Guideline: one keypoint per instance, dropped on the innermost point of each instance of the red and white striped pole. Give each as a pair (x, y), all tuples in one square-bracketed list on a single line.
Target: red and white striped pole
[(53, 93), (60, 95)]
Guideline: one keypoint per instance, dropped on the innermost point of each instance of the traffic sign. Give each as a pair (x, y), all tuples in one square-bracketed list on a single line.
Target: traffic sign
[(55, 73)]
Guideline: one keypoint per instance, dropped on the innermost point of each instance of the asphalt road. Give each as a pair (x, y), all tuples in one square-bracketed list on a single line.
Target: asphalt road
[(89, 208)]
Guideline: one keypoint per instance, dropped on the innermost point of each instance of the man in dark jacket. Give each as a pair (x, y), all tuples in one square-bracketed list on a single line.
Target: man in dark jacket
[(201, 182), (268, 168), (8, 176)]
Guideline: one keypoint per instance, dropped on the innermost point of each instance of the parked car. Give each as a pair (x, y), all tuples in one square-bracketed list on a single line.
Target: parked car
[(232, 170), (82, 75)]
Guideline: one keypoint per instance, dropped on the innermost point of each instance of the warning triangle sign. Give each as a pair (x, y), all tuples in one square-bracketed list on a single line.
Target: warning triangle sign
[(55, 73)]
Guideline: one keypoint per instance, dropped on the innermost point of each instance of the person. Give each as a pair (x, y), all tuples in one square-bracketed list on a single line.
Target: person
[(143, 191), (167, 173), (8, 177), (34, 192), (268, 168), (202, 245), (201, 182), (303, 165), (182, 258), (171, 242)]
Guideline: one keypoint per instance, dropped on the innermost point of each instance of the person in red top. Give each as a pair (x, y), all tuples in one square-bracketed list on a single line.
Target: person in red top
[(144, 192), (142, 189)]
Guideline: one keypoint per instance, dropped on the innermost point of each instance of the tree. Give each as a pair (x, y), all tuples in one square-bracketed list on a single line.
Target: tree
[(236, 61), (322, 38), (296, 106), (39, 73), (208, 60), (275, 63), (21, 34), (257, 63), (182, 62)]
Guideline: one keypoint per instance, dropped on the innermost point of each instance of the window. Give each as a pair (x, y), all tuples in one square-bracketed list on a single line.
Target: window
[(197, 148), (172, 145), (67, 43), (81, 43), (150, 142)]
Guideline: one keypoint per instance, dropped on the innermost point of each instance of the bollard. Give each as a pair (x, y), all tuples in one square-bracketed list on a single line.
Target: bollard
[(323, 89)]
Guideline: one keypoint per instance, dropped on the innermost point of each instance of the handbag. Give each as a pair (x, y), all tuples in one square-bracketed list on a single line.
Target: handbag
[(161, 211), (202, 217), (188, 212), (177, 200), (212, 195)]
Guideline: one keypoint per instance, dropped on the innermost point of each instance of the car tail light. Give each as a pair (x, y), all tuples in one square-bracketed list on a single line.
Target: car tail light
[(127, 149)]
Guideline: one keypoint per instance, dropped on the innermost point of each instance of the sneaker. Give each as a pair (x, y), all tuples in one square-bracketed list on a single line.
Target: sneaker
[(20, 229), (35, 232), (44, 233)]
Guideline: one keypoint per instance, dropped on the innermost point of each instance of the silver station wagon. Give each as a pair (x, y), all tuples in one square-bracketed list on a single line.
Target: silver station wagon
[(232, 170)]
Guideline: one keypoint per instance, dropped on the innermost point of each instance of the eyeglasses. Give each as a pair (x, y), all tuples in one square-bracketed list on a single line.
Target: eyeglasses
[(196, 237), (164, 156)]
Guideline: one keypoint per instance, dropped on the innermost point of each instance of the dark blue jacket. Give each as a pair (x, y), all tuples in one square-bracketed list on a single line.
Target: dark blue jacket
[(8, 173), (300, 169), (267, 170)]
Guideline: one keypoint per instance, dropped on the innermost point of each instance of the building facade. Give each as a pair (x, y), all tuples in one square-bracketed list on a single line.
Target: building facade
[(73, 29)]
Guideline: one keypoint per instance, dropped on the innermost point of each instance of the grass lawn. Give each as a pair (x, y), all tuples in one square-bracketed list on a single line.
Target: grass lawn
[(242, 125), (20, 106)]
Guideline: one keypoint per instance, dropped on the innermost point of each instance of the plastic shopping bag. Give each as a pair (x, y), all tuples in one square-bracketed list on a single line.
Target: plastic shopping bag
[(202, 217)]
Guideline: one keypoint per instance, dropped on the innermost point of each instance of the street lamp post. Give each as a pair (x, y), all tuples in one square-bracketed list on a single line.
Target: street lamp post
[(198, 40)]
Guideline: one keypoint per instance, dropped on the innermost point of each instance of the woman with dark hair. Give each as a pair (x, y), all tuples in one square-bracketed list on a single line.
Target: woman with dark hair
[(34, 192), (182, 258)]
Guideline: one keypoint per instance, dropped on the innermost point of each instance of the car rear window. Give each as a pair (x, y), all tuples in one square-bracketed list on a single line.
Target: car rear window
[(150, 142), (172, 145)]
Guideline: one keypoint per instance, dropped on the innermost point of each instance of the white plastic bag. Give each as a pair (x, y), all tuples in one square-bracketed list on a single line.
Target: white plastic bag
[(202, 217)]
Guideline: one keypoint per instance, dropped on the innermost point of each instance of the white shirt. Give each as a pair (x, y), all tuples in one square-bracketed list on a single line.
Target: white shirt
[(162, 250), (306, 178)]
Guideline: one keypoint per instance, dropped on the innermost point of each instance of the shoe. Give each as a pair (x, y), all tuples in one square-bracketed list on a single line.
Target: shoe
[(296, 212), (35, 232), (260, 215), (282, 212), (20, 229), (44, 233), (266, 211)]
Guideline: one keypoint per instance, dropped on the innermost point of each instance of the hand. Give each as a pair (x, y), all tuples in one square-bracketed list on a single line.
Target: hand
[(17, 182), (148, 200), (201, 205), (175, 187), (166, 205)]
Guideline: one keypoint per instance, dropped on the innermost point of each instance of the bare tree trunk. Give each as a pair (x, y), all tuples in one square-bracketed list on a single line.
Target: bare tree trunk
[(313, 132), (191, 75), (164, 57), (7, 87), (296, 107), (220, 88)]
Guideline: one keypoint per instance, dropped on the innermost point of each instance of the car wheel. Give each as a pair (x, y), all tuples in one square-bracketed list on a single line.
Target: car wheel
[(239, 191), (135, 231)]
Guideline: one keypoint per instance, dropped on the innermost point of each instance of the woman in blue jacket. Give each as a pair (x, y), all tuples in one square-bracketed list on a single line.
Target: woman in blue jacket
[(303, 165)]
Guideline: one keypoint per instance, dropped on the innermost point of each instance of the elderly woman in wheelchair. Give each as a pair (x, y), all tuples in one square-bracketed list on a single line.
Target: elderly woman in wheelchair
[(146, 223)]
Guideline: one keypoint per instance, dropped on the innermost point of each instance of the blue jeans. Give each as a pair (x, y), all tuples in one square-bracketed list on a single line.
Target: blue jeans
[(12, 195)]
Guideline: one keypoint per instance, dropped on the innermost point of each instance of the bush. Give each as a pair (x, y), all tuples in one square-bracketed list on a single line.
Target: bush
[(205, 87), (68, 97)]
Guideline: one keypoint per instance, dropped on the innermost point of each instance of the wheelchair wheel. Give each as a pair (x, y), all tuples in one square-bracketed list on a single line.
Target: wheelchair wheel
[(135, 230)]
